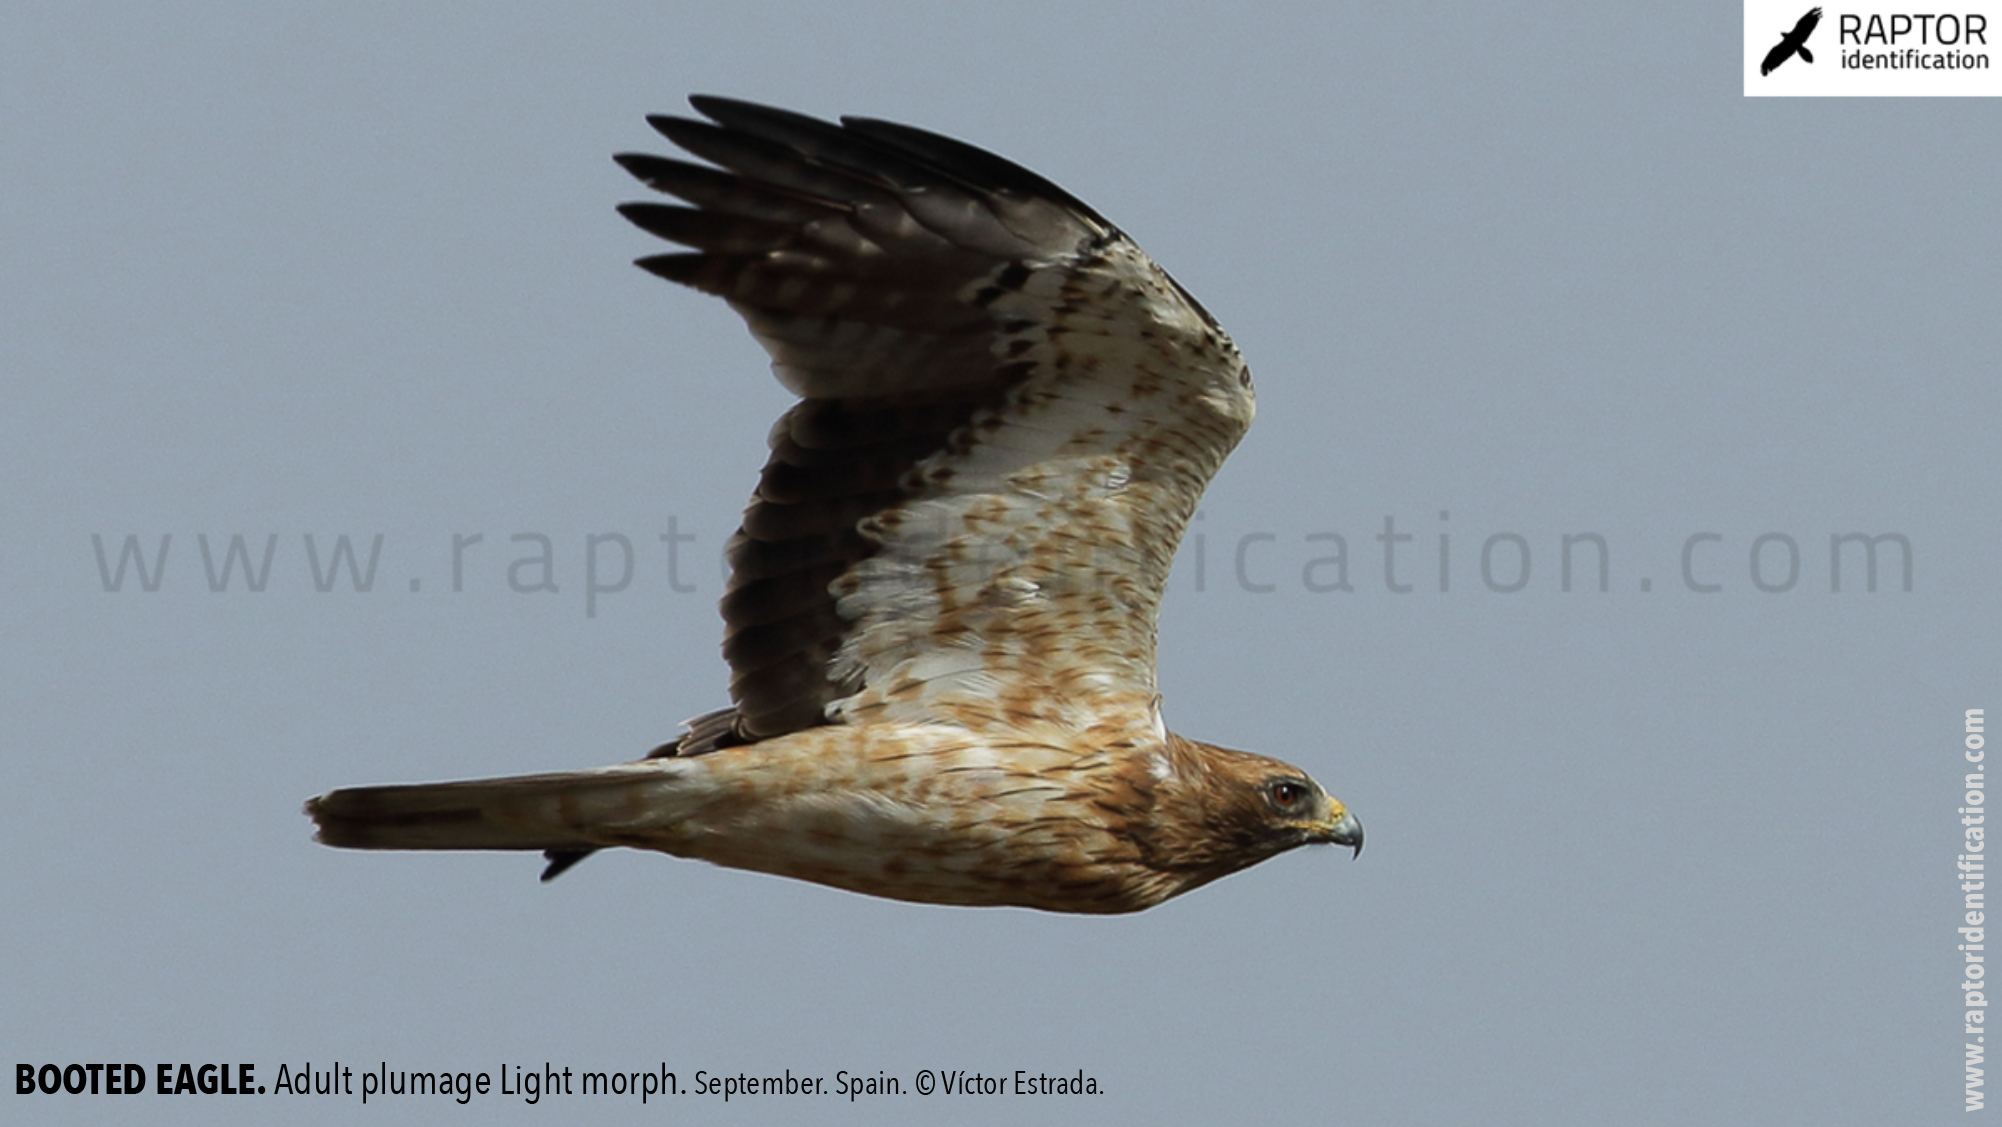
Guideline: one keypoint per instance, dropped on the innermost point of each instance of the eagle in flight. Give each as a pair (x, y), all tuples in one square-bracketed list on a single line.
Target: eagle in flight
[(1792, 42), (940, 617)]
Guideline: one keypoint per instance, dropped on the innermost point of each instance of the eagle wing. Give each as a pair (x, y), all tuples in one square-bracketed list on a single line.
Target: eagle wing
[(1007, 415), (1781, 51)]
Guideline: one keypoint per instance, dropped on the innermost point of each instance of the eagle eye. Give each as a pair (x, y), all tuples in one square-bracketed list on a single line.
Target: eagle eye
[(1287, 794)]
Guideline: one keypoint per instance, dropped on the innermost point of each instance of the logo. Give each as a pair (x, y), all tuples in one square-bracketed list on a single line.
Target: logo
[(1872, 49), (1792, 43)]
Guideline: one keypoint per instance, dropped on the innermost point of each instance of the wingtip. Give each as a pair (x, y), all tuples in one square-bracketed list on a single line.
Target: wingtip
[(561, 861), (666, 123), (702, 103), (738, 113), (681, 267)]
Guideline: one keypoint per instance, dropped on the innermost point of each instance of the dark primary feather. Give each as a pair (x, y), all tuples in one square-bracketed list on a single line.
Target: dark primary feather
[(850, 250)]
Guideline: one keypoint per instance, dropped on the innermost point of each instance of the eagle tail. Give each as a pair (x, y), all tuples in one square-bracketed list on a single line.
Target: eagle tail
[(1806, 55), (568, 813)]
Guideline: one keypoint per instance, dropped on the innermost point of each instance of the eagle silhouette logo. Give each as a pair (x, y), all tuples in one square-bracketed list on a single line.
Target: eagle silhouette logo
[(1793, 42)]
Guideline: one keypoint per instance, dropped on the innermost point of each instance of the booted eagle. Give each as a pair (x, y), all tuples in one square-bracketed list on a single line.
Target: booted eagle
[(941, 612)]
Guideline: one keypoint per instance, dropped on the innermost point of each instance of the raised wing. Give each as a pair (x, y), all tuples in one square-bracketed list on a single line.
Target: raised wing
[(1007, 414)]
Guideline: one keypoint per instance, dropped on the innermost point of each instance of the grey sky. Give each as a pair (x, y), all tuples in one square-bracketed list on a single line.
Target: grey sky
[(1636, 856)]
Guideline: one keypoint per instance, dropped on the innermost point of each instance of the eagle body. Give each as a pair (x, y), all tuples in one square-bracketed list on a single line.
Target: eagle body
[(927, 812), (940, 620)]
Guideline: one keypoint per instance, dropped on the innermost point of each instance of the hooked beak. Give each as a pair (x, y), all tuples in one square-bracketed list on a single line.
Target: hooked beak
[(1345, 830)]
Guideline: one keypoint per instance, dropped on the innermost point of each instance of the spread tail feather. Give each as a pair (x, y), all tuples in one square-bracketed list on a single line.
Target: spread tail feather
[(565, 813)]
